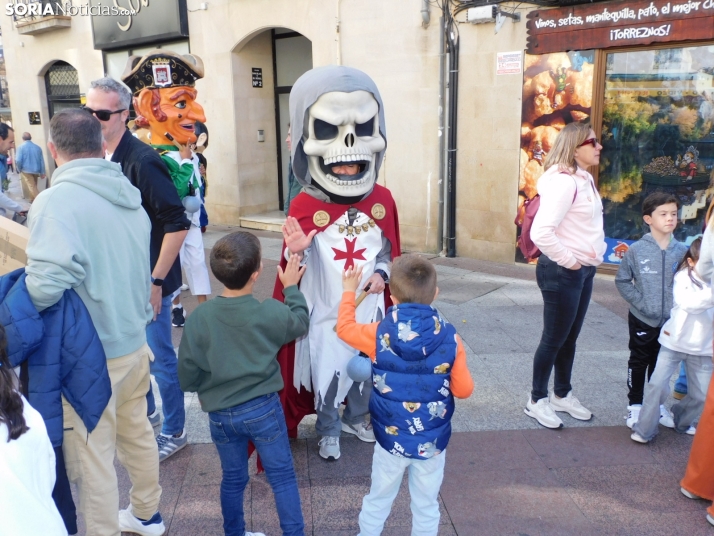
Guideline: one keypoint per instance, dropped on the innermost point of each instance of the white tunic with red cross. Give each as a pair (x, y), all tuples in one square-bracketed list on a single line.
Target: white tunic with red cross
[(320, 355)]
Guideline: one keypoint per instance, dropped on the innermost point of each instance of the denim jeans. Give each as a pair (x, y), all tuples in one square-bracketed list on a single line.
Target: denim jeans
[(681, 384), (685, 411), (261, 421), (164, 368), (425, 477), (566, 296)]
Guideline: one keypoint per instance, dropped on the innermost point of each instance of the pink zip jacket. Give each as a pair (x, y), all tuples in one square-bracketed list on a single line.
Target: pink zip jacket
[(568, 231)]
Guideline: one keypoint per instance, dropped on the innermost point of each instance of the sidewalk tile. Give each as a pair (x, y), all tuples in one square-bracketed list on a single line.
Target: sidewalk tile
[(527, 526), (355, 459), (587, 447), (529, 493), (485, 452), (336, 502)]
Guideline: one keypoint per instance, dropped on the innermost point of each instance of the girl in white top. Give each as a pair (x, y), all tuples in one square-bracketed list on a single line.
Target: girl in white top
[(685, 337), (27, 463)]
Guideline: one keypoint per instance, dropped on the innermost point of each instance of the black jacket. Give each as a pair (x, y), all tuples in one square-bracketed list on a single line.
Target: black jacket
[(144, 168)]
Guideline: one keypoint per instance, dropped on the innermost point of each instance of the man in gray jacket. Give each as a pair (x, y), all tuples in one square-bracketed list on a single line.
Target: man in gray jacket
[(89, 232), (645, 280)]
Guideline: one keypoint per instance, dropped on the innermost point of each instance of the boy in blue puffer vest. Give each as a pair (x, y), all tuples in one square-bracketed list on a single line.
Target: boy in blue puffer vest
[(418, 367)]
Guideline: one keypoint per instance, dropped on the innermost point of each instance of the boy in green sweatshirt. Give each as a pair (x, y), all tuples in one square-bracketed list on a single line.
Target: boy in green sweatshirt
[(228, 355)]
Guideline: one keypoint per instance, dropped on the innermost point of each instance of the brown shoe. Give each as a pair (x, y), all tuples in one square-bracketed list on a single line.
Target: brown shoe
[(678, 395)]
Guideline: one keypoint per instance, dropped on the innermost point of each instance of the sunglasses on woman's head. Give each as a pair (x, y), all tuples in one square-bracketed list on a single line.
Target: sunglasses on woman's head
[(103, 115), (590, 141)]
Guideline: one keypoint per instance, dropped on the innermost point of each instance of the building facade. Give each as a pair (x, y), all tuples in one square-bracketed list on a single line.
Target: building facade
[(254, 50)]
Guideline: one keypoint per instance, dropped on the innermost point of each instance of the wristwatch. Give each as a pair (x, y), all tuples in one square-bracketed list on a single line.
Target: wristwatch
[(383, 274), (157, 282)]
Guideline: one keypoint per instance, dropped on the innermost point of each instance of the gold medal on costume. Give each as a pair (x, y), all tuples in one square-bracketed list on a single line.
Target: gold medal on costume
[(378, 211), (321, 218)]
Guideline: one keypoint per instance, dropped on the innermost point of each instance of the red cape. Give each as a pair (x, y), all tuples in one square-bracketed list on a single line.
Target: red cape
[(297, 404)]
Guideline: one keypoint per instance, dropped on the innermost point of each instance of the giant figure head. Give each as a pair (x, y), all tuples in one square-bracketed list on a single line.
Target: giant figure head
[(162, 83), (337, 122)]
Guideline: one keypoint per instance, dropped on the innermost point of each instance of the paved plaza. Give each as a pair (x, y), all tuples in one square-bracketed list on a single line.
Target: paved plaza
[(505, 474)]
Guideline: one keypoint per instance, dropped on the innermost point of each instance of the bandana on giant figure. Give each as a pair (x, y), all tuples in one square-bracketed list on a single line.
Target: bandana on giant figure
[(337, 119), (163, 85)]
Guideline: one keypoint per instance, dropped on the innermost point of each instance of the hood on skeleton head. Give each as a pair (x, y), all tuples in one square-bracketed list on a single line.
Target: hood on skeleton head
[(305, 92)]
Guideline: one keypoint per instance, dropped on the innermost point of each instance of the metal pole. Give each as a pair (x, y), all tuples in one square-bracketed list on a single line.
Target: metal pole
[(442, 137)]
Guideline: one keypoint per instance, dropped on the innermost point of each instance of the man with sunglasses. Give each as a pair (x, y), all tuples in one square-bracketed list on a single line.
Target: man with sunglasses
[(109, 101)]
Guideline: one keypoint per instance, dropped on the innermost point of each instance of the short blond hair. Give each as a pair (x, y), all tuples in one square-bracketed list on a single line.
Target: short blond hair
[(562, 153)]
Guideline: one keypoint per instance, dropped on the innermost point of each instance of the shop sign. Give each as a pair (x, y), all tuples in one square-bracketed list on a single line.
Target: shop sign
[(142, 22), (616, 24), (34, 118)]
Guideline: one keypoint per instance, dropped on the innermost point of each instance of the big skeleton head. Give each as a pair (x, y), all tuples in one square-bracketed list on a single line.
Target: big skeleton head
[(339, 112)]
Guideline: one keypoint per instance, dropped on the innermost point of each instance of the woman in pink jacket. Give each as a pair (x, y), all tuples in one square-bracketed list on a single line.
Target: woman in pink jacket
[(568, 229)]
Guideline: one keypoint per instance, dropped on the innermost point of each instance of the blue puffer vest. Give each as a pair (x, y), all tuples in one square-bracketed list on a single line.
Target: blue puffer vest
[(63, 352), (411, 403)]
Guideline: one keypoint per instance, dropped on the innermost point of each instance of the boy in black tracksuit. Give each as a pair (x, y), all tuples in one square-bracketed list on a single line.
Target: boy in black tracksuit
[(645, 281)]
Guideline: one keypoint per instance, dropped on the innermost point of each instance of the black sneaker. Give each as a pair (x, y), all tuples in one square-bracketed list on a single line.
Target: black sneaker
[(178, 319)]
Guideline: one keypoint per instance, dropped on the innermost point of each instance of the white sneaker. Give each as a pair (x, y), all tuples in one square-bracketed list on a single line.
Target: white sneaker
[(543, 413), (330, 447), (130, 523), (691, 430), (689, 494), (362, 430), (186, 287), (637, 437), (633, 414), (570, 405), (665, 417), (254, 534)]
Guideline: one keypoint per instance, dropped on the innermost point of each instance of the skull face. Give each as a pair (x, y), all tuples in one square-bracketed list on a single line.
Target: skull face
[(343, 130)]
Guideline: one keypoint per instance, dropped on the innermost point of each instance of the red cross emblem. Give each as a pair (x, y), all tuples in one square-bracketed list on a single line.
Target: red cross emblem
[(350, 255)]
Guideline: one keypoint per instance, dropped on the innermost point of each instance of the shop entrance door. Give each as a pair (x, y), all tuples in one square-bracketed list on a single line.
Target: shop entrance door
[(292, 57)]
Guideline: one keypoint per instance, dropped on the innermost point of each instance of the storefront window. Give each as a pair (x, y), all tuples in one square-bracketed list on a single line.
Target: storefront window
[(658, 134)]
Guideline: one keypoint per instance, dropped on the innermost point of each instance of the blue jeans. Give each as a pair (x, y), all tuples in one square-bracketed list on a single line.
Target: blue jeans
[(164, 367), (260, 420), (566, 296), (685, 411), (680, 385)]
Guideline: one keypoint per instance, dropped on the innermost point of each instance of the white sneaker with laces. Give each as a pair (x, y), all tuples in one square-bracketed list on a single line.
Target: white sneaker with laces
[(543, 413), (362, 430), (570, 405), (637, 437), (633, 414), (128, 522), (330, 447), (665, 417)]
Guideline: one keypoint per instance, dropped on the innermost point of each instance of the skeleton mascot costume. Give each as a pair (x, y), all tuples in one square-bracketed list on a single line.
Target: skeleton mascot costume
[(341, 218)]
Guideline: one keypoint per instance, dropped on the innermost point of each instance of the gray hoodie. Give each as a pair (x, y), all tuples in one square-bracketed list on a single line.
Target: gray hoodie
[(89, 232), (646, 276)]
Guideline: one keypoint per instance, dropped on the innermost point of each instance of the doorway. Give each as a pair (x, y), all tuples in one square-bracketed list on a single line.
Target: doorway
[(292, 57)]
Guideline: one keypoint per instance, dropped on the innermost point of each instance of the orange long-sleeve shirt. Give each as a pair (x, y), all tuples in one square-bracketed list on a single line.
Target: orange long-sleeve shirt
[(363, 337)]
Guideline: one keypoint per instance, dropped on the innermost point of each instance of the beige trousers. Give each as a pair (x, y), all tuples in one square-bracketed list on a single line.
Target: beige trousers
[(124, 428), (29, 185)]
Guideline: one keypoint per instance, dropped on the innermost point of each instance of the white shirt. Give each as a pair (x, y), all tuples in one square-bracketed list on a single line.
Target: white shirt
[(27, 477)]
